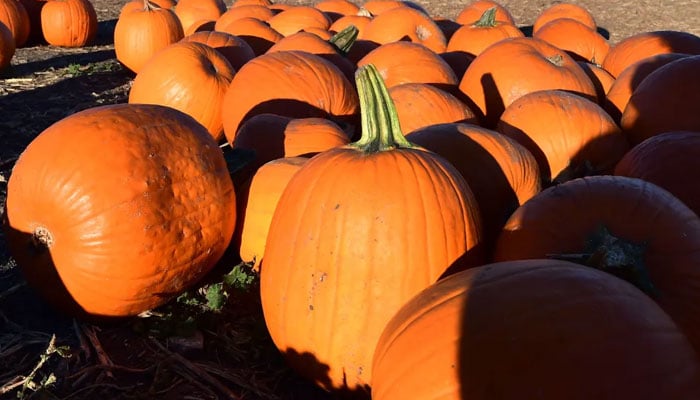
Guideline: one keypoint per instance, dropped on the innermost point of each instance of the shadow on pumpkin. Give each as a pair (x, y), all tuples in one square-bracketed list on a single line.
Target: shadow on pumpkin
[(318, 371)]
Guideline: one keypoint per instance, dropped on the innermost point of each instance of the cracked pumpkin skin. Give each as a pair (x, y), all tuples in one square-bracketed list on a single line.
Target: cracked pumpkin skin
[(117, 209)]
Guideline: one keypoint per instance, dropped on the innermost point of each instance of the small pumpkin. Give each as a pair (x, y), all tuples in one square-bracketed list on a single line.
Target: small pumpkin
[(117, 209), (624, 226), (474, 10), (463, 338), (140, 33), (353, 237), (665, 100), (578, 39), (69, 23), (299, 18), (180, 76), (564, 11), (191, 11), (569, 135)]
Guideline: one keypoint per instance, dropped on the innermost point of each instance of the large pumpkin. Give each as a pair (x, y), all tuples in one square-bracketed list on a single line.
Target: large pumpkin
[(405, 24), (358, 231), (625, 226), (473, 38), (69, 23), (535, 329), (117, 209)]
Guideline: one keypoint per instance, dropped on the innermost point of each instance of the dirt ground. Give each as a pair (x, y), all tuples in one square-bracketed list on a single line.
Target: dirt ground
[(180, 351)]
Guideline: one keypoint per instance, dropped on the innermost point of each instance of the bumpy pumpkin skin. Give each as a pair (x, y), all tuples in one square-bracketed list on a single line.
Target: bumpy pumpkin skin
[(666, 100), (533, 64), (117, 209), (290, 83), (69, 23), (565, 220), (533, 329), (340, 255)]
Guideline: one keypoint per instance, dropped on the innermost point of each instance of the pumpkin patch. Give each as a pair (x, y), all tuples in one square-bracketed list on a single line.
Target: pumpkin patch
[(349, 199)]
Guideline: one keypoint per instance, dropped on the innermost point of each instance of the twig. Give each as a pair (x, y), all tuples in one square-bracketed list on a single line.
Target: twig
[(28, 380), (197, 371), (99, 351)]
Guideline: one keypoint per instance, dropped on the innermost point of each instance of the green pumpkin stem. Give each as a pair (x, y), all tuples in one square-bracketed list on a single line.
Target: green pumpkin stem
[(488, 19), (343, 40), (618, 257), (381, 130)]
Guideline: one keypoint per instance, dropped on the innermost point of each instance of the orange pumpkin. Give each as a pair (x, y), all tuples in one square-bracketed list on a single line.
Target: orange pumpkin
[(202, 25), (260, 202), (262, 13), (377, 7), (627, 227), (578, 39), (117, 209), (570, 136), (140, 33), (405, 24), (296, 84), (532, 65), (501, 173), (69, 23), (33, 9), (358, 21), (666, 100), (258, 34), (602, 80), (14, 16), (475, 37), (425, 66), (299, 18), (465, 336), (138, 4), (234, 49), (241, 3), (180, 76), (473, 11), (627, 81), (562, 11), (335, 9), (420, 104), (191, 11), (646, 44), (7, 46), (349, 239)]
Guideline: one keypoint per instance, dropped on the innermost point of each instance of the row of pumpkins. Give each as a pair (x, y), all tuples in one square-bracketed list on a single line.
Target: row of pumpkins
[(437, 208)]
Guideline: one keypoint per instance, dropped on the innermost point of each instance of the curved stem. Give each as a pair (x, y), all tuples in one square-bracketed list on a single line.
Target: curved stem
[(488, 19), (343, 40), (380, 126)]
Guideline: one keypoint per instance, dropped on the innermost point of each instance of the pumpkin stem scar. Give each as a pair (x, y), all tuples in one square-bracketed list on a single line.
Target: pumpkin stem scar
[(556, 59), (381, 130), (42, 239), (621, 258)]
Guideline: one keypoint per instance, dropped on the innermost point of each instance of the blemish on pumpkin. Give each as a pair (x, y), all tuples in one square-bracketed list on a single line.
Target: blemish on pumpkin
[(422, 32), (42, 239), (557, 60)]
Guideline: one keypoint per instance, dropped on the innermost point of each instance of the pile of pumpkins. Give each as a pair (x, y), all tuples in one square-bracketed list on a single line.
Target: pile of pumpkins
[(437, 208)]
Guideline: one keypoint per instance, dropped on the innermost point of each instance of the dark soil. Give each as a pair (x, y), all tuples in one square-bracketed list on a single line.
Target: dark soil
[(183, 350)]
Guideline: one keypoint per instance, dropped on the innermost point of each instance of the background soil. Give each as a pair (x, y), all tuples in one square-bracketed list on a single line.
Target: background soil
[(181, 351)]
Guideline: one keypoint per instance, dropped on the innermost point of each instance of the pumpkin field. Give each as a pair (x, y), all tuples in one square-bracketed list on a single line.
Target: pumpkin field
[(349, 199)]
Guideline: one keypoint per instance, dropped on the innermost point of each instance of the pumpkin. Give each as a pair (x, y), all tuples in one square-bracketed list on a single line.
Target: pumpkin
[(258, 34), (138, 4), (569, 332), (33, 9), (241, 3), (602, 80), (665, 100), (335, 9), (457, 60), (477, 36), (299, 18), (341, 261), (14, 16), (669, 160), (405, 24), (628, 227), (533, 64), (646, 44), (117, 209), (272, 136), (627, 81), (262, 13), (419, 105), (7, 46), (69, 23), (180, 76), (578, 39), (260, 202), (447, 26), (201, 25), (569, 135), (138, 34), (291, 83), (358, 21), (501, 173), (473, 11), (425, 66), (234, 49), (191, 11), (377, 7), (564, 11)]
